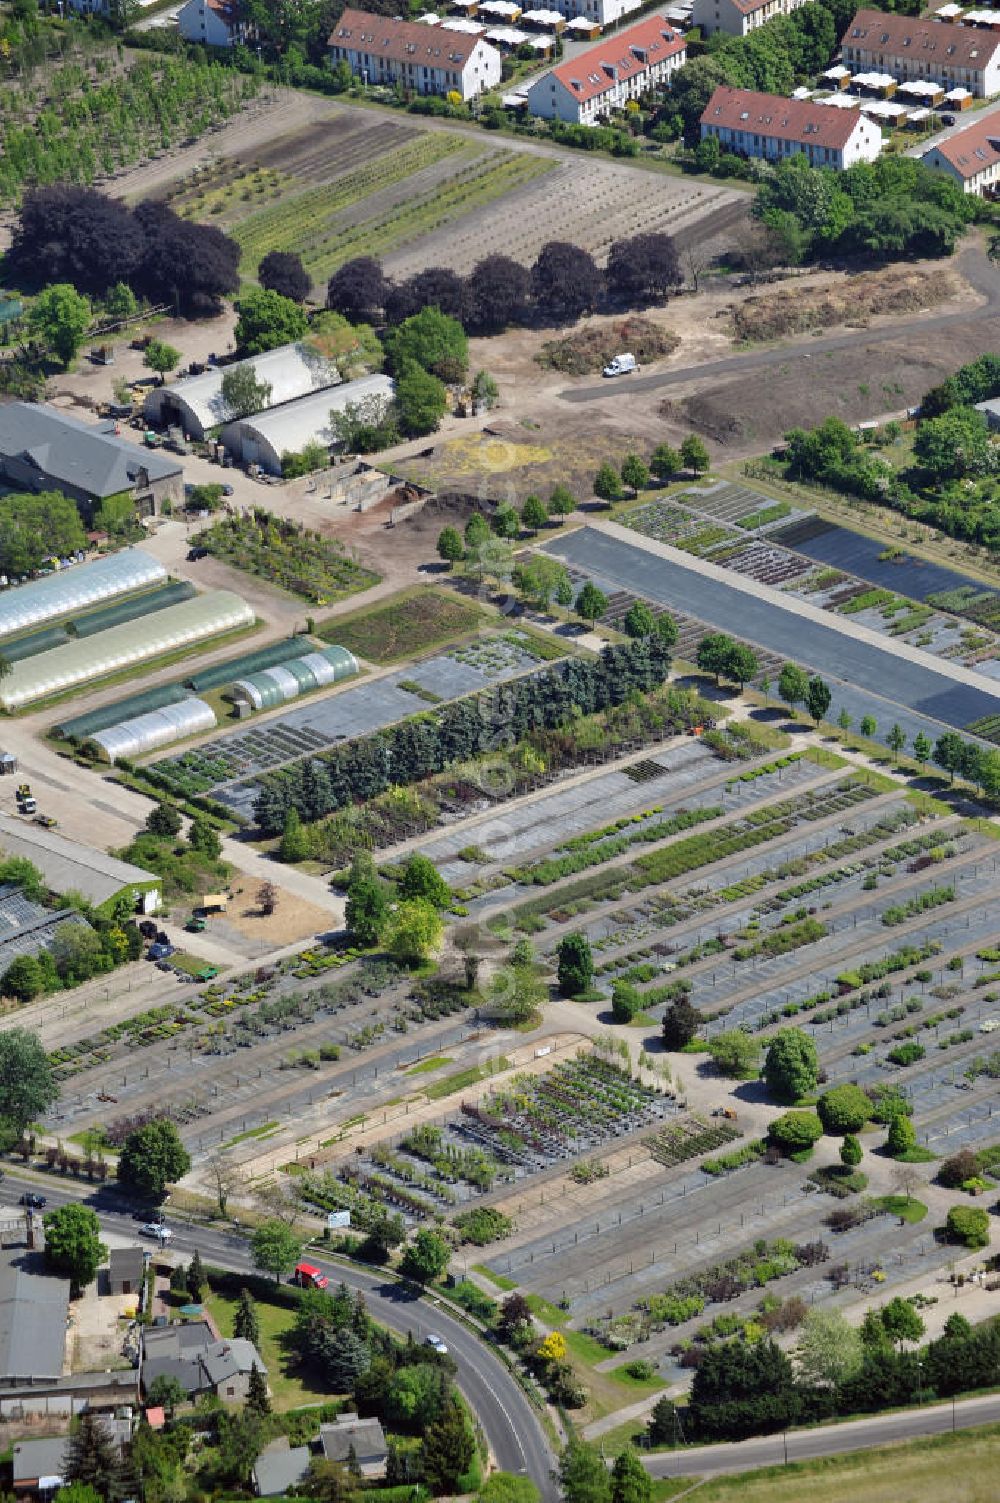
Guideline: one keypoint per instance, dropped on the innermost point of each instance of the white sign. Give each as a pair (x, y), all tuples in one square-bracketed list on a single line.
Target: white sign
[(338, 1219)]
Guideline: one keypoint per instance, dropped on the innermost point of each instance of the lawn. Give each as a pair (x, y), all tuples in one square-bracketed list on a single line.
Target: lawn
[(904, 1206), (463, 1079), (289, 1387), (960, 1468), (436, 1062), (405, 626)]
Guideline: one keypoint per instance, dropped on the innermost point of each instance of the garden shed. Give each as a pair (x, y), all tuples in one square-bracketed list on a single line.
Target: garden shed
[(79, 662), (74, 589), (196, 403), (274, 686), (262, 440)]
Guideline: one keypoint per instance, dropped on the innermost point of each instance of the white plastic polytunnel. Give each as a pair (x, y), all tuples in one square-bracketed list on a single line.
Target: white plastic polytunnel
[(274, 686), (144, 733), (76, 588), (123, 646)]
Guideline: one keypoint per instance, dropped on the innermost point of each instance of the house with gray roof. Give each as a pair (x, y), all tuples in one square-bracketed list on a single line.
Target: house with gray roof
[(68, 866), (200, 1363), (279, 1467), (42, 449), (364, 1437), (34, 1309), (39, 1465), (126, 1270)]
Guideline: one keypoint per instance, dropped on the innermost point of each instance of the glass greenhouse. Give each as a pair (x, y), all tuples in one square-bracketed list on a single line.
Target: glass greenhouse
[(78, 587), (144, 733), (79, 662), (274, 686)]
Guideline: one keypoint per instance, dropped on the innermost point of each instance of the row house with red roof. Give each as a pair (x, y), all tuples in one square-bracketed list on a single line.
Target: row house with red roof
[(587, 88), (766, 125), (424, 59), (971, 156)]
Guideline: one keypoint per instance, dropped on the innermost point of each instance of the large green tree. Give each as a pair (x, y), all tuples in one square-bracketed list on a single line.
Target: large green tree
[(275, 1248), (630, 1482), (828, 1349), (583, 1475), (36, 527), (447, 1449), (152, 1158), (575, 964), (27, 1086), (266, 321), (432, 340), (59, 318), (421, 397), (791, 1066), (425, 1258), (73, 1244)]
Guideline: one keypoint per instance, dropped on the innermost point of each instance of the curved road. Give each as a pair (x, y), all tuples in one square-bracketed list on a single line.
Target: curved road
[(511, 1425), (978, 271)]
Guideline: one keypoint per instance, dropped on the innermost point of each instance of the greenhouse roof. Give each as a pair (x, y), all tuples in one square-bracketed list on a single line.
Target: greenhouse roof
[(143, 733), (80, 661), (306, 421), (67, 866), (291, 371), (69, 590), (65, 449)]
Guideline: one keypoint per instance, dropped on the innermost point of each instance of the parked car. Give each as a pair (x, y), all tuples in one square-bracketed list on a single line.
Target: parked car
[(32, 1201), (947, 120), (160, 950)]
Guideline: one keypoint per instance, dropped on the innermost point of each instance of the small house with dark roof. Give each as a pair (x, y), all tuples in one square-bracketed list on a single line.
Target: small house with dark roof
[(364, 1437), (126, 1270)]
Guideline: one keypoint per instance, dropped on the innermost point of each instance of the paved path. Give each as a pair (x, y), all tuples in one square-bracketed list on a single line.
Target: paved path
[(973, 264), (904, 679), (825, 1440)]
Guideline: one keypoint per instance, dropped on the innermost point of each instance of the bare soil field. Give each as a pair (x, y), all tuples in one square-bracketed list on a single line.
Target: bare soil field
[(858, 384)]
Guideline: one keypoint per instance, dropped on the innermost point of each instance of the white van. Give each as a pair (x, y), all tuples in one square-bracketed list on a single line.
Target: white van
[(621, 365)]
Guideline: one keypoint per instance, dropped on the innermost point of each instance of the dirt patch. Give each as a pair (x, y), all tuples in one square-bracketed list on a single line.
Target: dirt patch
[(510, 460), (293, 918), (588, 350), (853, 302), (860, 384)]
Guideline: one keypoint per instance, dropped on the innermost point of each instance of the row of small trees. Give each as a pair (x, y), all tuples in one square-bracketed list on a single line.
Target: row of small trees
[(563, 282)]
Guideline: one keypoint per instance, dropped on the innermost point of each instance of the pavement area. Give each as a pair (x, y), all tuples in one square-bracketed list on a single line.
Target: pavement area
[(908, 682)]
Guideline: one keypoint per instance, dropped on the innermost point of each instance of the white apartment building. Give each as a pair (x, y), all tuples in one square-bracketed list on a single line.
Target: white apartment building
[(965, 57), (737, 18)]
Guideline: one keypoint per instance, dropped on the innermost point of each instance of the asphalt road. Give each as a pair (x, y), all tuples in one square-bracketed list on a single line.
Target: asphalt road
[(972, 264), (827, 1440), (511, 1426), (895, 680)]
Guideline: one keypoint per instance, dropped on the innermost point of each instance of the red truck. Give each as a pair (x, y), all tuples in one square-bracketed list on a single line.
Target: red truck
[(308, 1276)]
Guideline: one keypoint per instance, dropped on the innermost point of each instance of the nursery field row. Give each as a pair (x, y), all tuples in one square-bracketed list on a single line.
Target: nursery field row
[(690, 853)]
